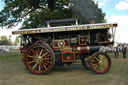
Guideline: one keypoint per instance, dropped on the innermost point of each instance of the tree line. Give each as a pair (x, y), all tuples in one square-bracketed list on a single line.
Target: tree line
[(34, 13), (4, 40)]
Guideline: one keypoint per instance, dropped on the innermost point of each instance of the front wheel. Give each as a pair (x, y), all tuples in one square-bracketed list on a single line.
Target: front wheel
[(100, 62), (39, 59)]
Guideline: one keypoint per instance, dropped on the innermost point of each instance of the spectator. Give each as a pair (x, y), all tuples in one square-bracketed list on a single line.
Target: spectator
[(3, 51), (102, 49), (124, 50), (127, 51), (116, 50)]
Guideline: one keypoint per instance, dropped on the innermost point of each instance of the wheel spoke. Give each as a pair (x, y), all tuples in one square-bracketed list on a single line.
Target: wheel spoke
[(33, 51), (34, 66), (31, 62), (100, 62), (46, 59), (44, 54), (37, 53), (44, 51), (96, 58), (30, 56), (95, 61), (41, 52), (39, 59), (45, 67), (45, 63), (101, 57), (95, 66), (98, 68)]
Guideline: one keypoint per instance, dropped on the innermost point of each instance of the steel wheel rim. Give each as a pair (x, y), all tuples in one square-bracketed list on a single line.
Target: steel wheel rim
[(100, 63), (39, 60)]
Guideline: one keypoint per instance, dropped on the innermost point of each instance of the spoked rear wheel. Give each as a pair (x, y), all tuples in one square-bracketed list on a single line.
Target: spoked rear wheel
[(39, 59), (85, 62), (100, 62)]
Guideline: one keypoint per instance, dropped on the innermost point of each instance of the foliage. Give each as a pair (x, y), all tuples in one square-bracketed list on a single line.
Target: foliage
[(4, 38), (34, 13), (4, 41), (17, 40), (86, 10)]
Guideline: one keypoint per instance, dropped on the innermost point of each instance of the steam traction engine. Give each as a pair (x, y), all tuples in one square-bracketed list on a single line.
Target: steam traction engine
[(44, 48)]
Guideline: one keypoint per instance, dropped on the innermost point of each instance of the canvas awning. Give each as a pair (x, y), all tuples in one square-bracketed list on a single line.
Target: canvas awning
[(66, 28)]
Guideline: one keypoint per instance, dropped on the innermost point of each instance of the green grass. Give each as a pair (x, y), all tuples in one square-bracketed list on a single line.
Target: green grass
[(13, 72), (11, 56)]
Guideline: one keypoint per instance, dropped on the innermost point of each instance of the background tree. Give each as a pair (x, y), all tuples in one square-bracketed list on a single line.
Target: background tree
[(16, 41), (34, 13), (4, 41), (85, 10), (10, 38)]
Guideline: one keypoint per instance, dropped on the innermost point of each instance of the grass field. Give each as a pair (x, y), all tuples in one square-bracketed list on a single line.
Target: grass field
[(13, 72)]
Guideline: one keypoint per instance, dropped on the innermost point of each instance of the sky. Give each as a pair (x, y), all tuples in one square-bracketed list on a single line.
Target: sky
[(3, 30), (115, 10)]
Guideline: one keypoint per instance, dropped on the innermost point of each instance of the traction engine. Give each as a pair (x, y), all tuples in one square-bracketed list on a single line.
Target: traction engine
[(45, 48)]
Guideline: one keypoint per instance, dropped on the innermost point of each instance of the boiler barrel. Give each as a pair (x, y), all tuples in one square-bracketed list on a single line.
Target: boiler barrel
[(93, 49), (85, 49)]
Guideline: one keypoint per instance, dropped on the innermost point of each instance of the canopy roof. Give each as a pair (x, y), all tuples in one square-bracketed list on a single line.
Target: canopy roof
[(66, 28)]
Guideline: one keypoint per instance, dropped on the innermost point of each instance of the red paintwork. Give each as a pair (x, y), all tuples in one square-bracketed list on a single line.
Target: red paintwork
[(67, 49), (115, 25), (80, 49), (56, 43), (71, 56), (83, 40), (67, 43)]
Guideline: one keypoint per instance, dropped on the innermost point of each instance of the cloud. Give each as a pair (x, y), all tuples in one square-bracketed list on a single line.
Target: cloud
[(101, 4), (122, 29), (123, 5)]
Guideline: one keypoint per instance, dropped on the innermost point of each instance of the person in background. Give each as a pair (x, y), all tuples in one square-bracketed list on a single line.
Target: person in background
[(127, 51), (124, 50), (3, 51), (116, 50)]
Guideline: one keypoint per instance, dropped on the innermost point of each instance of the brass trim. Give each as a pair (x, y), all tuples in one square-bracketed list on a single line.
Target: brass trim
[(79, 49), (104, 42), (59, 47), (88, 48), (59, 43)]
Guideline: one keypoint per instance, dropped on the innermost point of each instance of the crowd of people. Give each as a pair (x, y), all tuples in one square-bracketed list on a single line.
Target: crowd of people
[(117, 50), (4, 50), (121, 48)]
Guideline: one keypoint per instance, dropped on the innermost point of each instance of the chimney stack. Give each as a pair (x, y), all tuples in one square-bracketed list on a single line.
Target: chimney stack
[(91, 21)]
